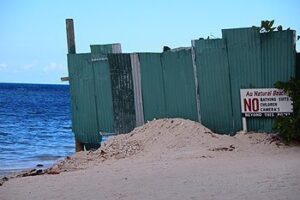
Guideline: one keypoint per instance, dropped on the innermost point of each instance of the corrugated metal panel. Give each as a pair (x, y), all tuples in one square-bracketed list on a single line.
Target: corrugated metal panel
[(83, 106), (137, 86), (122, 92), (178, 75), (214, 85), (244, 56), (278, 57), (258, 61), (103, 93), (152, 86), (278, 64)]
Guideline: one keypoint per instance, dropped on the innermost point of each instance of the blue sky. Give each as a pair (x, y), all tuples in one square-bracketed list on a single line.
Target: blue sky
[(33, 38)]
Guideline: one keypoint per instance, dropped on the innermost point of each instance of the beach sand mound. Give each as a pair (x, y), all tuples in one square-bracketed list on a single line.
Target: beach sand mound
[(159, 139)]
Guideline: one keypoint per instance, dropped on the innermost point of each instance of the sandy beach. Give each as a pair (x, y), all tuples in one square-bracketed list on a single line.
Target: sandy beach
[(171, 159)]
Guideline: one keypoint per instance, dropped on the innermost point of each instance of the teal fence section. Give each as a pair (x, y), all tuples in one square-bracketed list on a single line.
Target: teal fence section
[(122, 92), (153, 90), (105, 90), (244, 58), (257, 61), (82, 91), (214, 85), (168, 85), (91, 94), (179, 84)]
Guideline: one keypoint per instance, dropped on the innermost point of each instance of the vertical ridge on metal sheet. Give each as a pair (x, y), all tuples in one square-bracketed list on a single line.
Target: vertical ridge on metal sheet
[(214, 84), (122, 92), (138, 101), (179, 86), (196, 80), (152, 86), (83, 108)]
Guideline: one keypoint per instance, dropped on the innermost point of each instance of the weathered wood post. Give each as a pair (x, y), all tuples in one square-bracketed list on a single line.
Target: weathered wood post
[(70, 36), (72, 50)]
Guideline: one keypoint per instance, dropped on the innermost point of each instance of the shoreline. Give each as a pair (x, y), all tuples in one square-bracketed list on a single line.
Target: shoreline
[(170, 159)]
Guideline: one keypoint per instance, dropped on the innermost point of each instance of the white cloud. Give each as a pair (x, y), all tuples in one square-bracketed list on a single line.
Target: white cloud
[(54, 67), (3, 66), (30, 65)]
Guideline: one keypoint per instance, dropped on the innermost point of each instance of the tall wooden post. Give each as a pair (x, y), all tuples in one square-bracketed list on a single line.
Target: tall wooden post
[(70, 36), (72, 50)]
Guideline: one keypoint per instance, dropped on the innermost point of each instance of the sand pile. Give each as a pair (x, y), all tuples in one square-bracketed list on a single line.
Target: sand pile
[(168, 137)]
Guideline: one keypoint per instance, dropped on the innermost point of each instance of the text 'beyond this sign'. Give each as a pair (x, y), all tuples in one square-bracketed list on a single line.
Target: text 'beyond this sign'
[(266, 102)]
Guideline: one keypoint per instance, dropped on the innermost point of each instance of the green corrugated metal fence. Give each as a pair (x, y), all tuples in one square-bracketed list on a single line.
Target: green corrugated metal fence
[(91, 94), (103, 89), (83, 105), (153, 89), (179, 85), (107, 88), (122, 92), (214, 85), (168, 85), (244, 58), (257, 61)]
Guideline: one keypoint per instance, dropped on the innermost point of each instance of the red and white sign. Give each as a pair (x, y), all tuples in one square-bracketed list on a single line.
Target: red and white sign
[(265, 102)]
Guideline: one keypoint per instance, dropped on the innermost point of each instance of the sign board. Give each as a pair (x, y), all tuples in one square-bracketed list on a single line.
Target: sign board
[(265, 102)]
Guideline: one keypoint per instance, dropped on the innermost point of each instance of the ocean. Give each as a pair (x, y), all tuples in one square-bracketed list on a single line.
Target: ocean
[(35, 125)]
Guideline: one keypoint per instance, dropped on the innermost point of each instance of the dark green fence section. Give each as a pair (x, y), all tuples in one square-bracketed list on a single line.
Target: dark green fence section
[(103, 89), (91, 94), (153, 89), (179, 84), (168, 85), (122, 92), (83, 106), (278, 64), (107, 86), (214, 83), (257, 61), (244, 58)]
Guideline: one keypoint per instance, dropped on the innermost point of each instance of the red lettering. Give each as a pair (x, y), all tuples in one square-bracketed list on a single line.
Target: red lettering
[(255, 104), (247, 105), (251, 105)]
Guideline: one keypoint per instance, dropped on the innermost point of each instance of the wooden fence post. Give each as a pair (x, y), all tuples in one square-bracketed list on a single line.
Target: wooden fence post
[(72, 50), (70, 36)]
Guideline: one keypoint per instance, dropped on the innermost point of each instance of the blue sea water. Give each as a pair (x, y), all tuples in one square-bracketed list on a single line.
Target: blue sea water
[(35, 125)]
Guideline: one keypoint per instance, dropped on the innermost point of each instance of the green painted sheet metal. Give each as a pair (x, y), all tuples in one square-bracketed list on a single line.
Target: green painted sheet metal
[(214, 85), (100, 51), (122, 92), (103, 92), (83, 106), (278, 64), (152, 86), (278, 57), (179, 85), (244, 57), (257, 61)]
